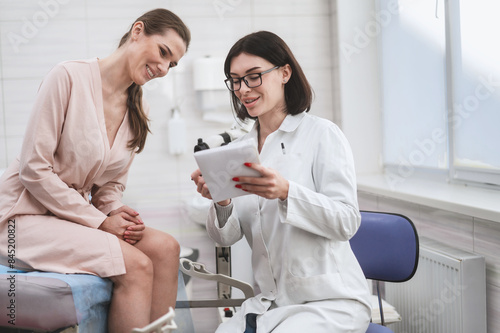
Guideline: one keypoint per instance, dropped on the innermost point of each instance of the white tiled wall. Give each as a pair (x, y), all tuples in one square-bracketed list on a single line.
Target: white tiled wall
[(35, 35), (3, 150), (159, 185)]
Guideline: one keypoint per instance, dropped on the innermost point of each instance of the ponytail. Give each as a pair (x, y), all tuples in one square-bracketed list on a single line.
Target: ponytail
[(137, 118)]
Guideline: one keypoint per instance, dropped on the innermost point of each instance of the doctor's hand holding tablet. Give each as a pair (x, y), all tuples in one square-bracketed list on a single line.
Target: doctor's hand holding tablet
[(235, 170)]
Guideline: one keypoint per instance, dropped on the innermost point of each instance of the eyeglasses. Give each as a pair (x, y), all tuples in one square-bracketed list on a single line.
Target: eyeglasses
[(251, 80)]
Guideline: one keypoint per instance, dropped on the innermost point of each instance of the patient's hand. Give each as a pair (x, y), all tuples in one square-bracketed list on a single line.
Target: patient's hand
[(126, 223)]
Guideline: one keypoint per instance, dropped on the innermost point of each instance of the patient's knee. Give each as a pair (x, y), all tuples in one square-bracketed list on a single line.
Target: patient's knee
[(172, 247), (142, 265), (139, 269), (166, 248)]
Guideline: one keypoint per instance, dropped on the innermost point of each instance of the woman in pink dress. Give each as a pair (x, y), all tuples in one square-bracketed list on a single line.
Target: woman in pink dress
[(62, 195)]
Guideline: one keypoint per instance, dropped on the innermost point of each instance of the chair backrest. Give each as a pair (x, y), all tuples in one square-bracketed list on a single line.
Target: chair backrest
[(386, 246)]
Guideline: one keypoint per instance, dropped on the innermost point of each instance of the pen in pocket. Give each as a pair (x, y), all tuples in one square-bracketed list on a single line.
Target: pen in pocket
[(283, 148)]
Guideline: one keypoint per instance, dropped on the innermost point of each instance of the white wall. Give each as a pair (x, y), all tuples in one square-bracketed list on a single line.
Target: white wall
[(35, 35), (360, 111)]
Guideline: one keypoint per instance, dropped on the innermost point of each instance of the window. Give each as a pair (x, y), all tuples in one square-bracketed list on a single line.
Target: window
[(440, 79), (475, 69)]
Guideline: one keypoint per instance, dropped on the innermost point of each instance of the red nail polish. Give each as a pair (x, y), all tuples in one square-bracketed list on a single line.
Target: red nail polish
[(248, 164), (236, 179), (237, 186)]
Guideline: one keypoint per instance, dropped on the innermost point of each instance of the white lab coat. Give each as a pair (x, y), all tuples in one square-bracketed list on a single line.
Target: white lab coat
[(300, 246)]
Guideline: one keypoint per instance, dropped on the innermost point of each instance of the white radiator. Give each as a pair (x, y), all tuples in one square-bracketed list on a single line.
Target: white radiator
[(446, 295)]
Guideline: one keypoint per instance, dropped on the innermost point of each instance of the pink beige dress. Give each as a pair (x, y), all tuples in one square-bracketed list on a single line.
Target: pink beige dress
[(56, 194)]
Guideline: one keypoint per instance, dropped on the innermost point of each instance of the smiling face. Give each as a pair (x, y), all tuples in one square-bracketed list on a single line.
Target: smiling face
[(269, 97), (152, 56)]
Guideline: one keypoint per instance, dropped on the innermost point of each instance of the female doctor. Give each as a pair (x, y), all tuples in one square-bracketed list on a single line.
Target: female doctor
[(302, 210)]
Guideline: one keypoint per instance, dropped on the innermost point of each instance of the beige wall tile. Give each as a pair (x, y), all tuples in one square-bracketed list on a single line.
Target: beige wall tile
[(453, 229), (367, 201), (407, 209), (487, 243)]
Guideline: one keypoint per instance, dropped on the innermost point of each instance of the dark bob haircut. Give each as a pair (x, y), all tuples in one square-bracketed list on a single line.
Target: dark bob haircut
[(269, 46)]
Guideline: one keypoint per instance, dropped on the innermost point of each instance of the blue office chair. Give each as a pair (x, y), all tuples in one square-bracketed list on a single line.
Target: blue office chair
[(386, 246)]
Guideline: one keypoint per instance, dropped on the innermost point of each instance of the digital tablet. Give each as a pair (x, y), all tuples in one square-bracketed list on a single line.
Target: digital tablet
[(220, 165)]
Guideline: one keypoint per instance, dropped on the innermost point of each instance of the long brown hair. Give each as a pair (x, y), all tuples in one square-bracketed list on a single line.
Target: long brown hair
[(156, 22), (269, 46)]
